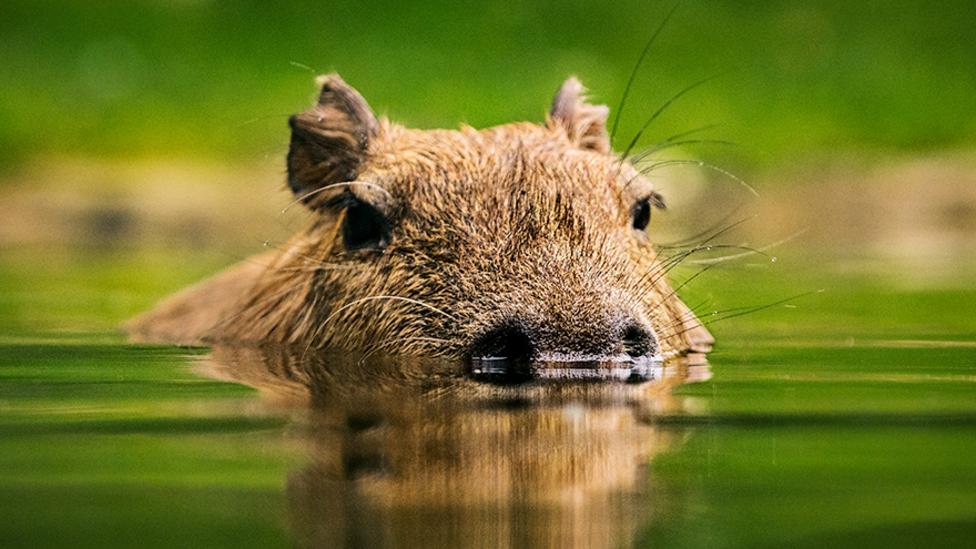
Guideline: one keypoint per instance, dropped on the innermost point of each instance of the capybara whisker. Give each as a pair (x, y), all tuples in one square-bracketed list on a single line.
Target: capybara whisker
[(713, 232), (752, 251), (637, 66), (663, 147), (701, 164), (524, 240), (670, 101)]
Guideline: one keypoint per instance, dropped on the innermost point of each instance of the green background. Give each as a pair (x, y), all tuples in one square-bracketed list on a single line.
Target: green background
[(846, 417), (201, 78)]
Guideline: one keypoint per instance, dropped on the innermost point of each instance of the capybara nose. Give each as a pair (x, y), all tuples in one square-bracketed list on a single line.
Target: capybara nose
[(509, 342), (637, 340), (522, 342)]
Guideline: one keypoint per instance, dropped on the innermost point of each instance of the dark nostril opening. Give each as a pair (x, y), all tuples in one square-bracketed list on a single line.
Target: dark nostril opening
[(503, 355), (637, 341), (505, 342)]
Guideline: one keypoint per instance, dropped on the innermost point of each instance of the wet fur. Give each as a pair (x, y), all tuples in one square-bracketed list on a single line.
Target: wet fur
[(522, 224)]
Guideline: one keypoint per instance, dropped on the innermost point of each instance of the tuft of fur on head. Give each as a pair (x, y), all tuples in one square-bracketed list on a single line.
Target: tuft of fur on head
[(428, 241)]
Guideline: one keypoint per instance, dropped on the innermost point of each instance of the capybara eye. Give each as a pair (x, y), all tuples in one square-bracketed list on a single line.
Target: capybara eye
[(642, 210), (365, 227), (642, 214)]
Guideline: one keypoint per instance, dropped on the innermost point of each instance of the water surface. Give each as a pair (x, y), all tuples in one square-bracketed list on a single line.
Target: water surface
[(847, 418)]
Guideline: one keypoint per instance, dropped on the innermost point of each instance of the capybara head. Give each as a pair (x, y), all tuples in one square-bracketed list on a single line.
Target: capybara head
[(522, 240)]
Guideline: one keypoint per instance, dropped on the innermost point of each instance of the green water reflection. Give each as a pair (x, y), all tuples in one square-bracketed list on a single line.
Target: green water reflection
[(848, 420)]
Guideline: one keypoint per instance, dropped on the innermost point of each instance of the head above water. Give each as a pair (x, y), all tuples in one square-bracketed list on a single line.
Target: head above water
[(523, 240)]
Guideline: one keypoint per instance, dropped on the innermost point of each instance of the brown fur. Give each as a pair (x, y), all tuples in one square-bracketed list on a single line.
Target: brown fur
[(520, 223)]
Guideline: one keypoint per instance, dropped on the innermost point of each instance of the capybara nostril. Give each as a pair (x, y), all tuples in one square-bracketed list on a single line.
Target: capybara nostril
[(638, 340), (528, 239), (509, 342)]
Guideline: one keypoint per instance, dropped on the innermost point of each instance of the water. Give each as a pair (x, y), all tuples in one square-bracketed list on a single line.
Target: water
[(847, 418)]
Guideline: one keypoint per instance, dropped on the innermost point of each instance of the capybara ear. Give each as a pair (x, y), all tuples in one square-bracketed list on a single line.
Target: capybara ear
[(329, 141), (584, 124)]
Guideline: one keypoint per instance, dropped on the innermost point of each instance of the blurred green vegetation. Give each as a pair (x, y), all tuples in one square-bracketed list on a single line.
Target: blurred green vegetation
[(196, 78), (838, 416)]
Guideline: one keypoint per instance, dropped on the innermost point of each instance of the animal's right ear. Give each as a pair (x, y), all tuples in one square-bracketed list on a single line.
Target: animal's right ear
[(585, 124), (330, 140)]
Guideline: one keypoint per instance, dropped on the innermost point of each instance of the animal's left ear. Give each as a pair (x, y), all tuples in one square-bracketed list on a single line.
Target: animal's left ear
[(329, 142), (585, 124)]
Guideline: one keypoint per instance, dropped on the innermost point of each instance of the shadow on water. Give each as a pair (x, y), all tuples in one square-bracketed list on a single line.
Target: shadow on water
[(419, 454)]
